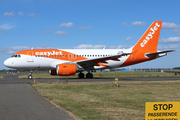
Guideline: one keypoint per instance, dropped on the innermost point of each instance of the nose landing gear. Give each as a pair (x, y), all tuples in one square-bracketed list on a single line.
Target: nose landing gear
[(30, 74)]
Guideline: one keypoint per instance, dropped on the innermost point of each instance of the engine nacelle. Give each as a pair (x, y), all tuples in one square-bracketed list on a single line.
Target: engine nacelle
[(66, 69)]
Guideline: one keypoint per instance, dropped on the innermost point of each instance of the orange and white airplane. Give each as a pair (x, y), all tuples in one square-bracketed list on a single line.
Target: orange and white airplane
[(67, 62)]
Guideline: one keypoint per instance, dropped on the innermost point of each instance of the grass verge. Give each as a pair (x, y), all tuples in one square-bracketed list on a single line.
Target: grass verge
[(99, 100)]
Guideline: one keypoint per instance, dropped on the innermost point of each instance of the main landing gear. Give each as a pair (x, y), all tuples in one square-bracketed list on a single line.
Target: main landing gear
[(88, 75)]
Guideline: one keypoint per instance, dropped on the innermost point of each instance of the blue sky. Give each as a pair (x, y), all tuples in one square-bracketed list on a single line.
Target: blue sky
[(88, 24)]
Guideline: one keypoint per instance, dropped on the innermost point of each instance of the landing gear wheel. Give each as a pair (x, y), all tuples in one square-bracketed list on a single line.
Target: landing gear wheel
[(30, 77), (81, 75), (89, 75)]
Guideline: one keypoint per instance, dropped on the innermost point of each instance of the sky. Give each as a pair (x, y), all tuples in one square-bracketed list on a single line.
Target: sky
[(88, 24)]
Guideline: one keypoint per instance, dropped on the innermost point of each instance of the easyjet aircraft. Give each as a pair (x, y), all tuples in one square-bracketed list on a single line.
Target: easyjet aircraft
[(67, 62)]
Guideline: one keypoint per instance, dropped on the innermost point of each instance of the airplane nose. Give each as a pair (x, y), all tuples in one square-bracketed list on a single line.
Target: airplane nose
[(7, 63)]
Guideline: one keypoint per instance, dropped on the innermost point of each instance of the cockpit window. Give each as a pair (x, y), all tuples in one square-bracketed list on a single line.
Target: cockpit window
[(16, 56)]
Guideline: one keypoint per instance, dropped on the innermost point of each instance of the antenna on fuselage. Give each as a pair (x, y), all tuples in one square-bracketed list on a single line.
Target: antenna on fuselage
[(32, 48)]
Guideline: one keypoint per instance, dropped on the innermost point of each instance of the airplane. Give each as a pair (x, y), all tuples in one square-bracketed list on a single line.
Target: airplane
[(176, 71), (65, 62)]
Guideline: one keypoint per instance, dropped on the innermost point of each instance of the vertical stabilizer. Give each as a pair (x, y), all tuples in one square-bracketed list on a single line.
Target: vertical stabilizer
[(149, 41)]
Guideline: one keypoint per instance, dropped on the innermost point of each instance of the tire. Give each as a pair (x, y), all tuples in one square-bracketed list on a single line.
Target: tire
[(89, 75), (30, 77), (81, 75)]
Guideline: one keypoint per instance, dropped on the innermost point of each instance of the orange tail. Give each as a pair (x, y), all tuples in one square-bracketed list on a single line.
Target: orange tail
[(149, 41), (146, 44)]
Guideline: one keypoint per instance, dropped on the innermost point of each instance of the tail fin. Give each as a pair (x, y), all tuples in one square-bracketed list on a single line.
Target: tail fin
[(149, 40)]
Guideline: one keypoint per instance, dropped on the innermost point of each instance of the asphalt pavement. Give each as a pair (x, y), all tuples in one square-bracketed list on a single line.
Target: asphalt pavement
[(22, 102)]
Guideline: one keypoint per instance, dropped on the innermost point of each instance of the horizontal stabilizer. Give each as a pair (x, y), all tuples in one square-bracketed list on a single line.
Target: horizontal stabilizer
[(161, 53)]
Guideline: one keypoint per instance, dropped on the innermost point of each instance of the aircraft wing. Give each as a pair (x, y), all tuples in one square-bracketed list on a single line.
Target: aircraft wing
[(171, 71), (161, 53), (94, 61)]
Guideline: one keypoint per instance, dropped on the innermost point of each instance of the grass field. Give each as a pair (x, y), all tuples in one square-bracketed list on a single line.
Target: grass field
[(99, 100), (106, 74)]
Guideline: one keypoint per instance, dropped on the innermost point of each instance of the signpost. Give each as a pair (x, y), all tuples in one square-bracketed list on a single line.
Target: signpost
[(162, 111)]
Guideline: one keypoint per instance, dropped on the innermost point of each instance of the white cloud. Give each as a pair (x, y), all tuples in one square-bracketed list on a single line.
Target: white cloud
[(12, 50), (70, 24), (128, 38), (84, 27), (2, 31), (44, 47), (169, 25), (31, 15), (176, 31), (170, 40), (20, 13), (139, 23), (124, 23), (89, 46), (47, 31), (86, 46), (9, 14), (171, 47), (119, 47), (6, 26), (61, 32)]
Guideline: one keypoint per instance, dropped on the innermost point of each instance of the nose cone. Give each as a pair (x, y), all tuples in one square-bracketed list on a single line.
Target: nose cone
[(7, 63)]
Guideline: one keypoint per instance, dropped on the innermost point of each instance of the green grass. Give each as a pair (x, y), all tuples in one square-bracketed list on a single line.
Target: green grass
[(108, 74), (99, 100)]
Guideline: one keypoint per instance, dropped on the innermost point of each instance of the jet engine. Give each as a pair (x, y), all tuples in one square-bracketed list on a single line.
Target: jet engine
[(66, 69)]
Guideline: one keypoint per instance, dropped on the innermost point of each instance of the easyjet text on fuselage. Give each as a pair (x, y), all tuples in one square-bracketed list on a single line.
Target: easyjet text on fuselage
[(49, 53)]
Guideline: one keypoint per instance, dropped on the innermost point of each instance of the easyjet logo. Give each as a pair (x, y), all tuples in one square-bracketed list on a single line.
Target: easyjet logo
[(49, 53), (150, 34)]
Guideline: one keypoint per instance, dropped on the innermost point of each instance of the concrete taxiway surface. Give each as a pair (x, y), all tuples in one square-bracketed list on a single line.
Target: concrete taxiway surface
[(22, 102)]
